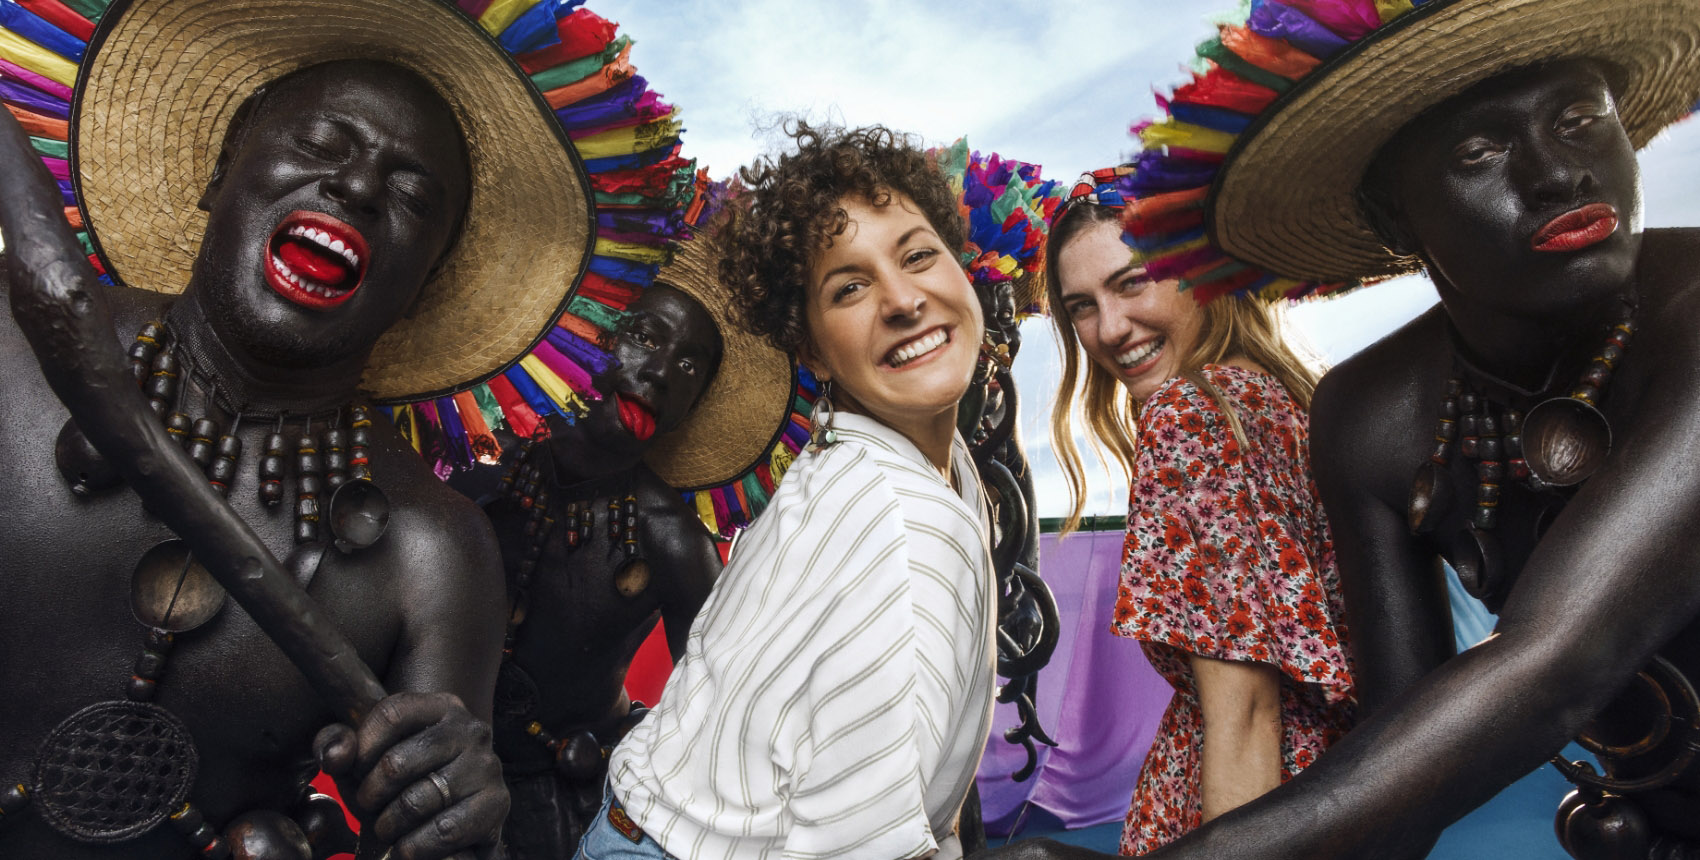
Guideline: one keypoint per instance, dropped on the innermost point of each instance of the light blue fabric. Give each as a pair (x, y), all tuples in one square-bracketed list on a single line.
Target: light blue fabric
[(603, 841)]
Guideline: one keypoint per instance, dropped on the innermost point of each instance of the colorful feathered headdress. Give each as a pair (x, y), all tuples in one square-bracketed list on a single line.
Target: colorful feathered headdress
[(1007, 207), (1248, 184)]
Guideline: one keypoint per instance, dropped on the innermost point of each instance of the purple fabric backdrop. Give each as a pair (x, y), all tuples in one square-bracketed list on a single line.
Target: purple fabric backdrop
[(1098, 698)]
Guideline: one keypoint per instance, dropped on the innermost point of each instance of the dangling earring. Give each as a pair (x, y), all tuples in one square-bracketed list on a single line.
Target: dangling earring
[(821, 434)]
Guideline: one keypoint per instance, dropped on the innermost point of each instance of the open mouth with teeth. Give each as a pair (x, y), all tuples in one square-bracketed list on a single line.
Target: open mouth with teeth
[(909, 351), (1141, 354), (314, 260)]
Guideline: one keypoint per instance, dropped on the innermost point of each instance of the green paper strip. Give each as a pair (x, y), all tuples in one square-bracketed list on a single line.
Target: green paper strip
[(596, 313), (581, 68), (756, 495), (90, 9), (1216, 51), (84, 240), (489, 407), (53, 148)]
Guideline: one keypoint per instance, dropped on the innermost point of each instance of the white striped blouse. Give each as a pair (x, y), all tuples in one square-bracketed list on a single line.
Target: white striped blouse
[(835, 691)]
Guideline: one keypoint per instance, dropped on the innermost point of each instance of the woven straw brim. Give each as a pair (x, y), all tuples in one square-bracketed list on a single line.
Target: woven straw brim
[(164, 81), (740, 416), (1286, 198)]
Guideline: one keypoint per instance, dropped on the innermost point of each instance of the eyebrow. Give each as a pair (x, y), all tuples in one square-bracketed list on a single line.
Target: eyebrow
[(1108, 279), (852, 267), (405, 161)]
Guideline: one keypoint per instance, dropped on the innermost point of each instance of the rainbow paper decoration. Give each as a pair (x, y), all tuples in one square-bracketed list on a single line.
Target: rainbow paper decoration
[(628, 140), (1240, 73), (1007, 208)]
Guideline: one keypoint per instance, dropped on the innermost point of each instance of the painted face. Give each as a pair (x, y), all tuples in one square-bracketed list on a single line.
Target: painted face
[(892, 319), (1138, 330), (668, 353), (1523, 193), (335, 201)]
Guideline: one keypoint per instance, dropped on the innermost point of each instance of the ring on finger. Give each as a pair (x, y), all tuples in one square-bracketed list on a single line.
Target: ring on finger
[(442, 784)]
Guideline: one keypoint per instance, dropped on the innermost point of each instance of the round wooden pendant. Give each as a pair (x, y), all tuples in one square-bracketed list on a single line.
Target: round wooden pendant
[(172, 591), (360, 514), (1475, 555), (1565, 440), (113, 771), (85, 470), (1431, 498), (632, 579)]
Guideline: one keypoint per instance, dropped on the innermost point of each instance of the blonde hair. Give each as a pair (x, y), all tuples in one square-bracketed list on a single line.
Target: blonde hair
[(1233, 327)]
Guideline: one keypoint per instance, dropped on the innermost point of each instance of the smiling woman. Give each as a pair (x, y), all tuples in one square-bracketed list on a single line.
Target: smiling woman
[(1228, 576), (844, 657)]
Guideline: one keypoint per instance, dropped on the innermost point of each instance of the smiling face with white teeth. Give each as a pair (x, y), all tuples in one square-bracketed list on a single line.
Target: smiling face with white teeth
[(334, 199), (892, 320), (1139, 331)]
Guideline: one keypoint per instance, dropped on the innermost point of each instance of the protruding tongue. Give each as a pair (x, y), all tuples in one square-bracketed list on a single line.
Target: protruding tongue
[(313, 261), (636, 418)]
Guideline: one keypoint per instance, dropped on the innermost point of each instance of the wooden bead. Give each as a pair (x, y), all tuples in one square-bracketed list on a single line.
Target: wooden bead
[(140, 689), (177, 424), (1490, 471), (13, 799), (1489, 448), (336, 458), (150, 665), (201, 436)]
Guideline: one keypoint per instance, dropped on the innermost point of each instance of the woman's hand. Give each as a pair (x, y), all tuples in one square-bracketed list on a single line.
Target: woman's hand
[(1241, 758)]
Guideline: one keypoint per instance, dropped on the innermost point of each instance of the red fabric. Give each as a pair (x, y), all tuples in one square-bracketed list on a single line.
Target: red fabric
[(1228, 556), (582, 33)]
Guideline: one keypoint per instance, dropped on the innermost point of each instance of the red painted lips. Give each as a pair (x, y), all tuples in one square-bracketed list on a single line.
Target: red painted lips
[(635, 414), (315, 260), (1577, 229)]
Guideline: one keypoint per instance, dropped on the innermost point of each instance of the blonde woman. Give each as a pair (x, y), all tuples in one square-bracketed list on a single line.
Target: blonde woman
[(1228, 575)]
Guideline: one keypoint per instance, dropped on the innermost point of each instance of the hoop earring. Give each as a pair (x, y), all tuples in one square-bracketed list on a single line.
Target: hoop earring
[(821, 433)]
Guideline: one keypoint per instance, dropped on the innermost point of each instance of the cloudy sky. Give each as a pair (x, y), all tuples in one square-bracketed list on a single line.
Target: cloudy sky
[(1054, 83)]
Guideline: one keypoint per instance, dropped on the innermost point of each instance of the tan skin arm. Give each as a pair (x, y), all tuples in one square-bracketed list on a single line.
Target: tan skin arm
[(1241, 756), (1595, 601)]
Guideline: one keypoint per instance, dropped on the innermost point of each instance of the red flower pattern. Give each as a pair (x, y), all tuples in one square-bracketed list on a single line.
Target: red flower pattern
[(1255, 565)]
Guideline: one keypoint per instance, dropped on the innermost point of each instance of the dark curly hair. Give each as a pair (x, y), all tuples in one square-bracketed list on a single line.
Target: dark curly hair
[(793, 213)]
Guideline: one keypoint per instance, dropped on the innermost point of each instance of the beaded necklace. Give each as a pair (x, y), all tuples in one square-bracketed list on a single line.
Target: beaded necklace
[(1554, 446), (116, 769), (580, 755)]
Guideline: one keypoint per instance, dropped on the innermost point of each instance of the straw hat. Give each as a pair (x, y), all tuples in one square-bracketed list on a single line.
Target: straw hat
[(1283, 207), (164, 77), (740, 417)]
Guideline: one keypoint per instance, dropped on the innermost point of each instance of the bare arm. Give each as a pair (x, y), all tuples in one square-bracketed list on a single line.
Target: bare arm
[(1397, 613), (1241, 756), (686, 561), (1613, 565)]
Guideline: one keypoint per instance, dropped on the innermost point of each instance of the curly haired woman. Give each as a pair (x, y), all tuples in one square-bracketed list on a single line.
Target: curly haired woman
[(835, 691)]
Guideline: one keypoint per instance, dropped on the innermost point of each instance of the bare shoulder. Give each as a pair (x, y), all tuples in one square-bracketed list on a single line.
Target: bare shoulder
[(1371, 409), (661, 506), (1669, 277), (444, 538)]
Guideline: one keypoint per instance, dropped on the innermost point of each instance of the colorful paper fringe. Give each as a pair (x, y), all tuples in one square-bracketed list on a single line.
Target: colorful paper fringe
[(628, 138), (1007, 208), (731, 506), (1244, 69), (41, 43), (629, 141)]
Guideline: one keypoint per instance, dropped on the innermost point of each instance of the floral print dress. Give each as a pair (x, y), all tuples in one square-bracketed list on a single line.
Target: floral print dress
[(1228, 556)]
